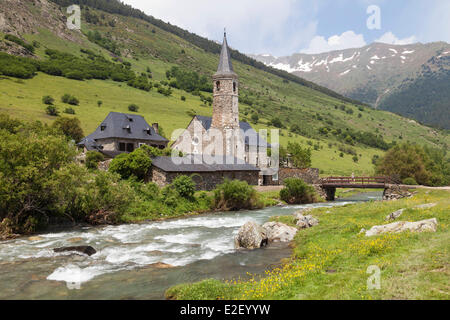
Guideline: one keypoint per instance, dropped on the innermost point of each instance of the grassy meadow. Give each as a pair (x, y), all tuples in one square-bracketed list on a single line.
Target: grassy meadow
[(329, 261)]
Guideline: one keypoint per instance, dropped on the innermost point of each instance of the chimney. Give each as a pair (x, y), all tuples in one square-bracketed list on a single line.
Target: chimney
[(155, 127)]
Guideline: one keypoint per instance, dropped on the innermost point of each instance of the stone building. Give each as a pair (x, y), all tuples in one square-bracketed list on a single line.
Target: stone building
[(223, 133), (206, 176), (120, 133)]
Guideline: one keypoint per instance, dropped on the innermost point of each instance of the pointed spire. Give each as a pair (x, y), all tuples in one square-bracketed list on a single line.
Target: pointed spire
[(225, 65)]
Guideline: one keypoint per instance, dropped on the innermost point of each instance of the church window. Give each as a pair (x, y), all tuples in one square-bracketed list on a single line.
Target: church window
[(218, 85), (234, 86)]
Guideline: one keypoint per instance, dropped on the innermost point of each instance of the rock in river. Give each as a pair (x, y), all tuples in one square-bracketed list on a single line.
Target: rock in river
[(82, 249), (279, 232), (396, 227), (251, 236)]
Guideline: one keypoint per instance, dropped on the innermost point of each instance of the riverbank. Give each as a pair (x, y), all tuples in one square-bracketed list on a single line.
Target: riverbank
[(203, 204), (330, 261)]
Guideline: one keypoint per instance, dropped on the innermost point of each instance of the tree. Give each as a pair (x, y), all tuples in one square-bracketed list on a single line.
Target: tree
[(48, 100), (70, 127), (132, 165), (99, 103), (405, 161), (255, 118), (185, 186), (133, 107), (52, 111), (301, 157)]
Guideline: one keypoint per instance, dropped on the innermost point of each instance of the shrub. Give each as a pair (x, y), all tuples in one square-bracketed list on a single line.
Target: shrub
[(235, 195), (133, 165), (183, 98), (355, 159), (410, 181), (70, 127), (93, 158), (133, 107), (69, 110), (185, 186), (52, 111), (48, 100), (69, 99), (296, 191)]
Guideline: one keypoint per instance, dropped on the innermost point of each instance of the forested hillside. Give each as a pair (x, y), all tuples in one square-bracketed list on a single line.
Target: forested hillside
[(121, 58)]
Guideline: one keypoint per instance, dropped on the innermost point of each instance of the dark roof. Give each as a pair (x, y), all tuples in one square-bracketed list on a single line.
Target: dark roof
[(121, 125), (225, 65), (196, 163), (255, 140)]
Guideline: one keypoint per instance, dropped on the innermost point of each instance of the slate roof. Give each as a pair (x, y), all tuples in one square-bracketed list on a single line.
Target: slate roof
[(122, 125), (195, 163), (245, 126), (225, 66)]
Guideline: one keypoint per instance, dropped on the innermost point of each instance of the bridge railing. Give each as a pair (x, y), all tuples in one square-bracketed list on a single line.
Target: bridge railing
[(354, 180)]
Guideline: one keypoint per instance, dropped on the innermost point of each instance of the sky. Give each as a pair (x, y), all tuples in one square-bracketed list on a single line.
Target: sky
[(284, 27)]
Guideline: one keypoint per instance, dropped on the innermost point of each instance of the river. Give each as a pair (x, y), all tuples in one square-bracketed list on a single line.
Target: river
[(198, 247)]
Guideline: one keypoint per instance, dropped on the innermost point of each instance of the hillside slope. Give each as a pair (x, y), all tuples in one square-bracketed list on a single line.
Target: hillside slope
[(381, 75), (302, 110)]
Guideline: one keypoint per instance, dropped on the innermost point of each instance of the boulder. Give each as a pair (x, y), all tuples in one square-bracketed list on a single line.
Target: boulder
[(397, 227), (82, 249), (425, 206), (394, 215), (304, 222), (279, 232), (251, 236)]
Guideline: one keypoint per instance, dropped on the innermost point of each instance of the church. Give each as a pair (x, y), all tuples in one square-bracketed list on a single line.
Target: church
[(224, 136)]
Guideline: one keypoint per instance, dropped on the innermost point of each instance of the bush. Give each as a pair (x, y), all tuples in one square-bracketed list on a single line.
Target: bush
[(410, 181), (235, 195), (52, 111), (48, 100), (69, 110), (185, 186), (132, 165), (133, 107), (69, 99), (93, 158), (70, 127), (296, 191)]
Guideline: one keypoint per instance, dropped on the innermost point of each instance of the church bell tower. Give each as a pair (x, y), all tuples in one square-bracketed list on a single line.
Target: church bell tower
[(225, 92), (226, 104)]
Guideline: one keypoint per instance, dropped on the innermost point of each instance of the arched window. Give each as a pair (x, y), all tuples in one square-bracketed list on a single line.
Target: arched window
[(218, 85), (234, 87)]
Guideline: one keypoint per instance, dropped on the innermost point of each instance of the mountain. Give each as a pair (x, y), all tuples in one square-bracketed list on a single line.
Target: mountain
[(412, 80), (122, 56)]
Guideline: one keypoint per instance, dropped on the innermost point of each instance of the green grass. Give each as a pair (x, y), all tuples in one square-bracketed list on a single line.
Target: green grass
[(330, 260)]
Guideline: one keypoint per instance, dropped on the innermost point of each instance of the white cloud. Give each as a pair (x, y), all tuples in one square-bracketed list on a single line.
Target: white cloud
[(390, 38), (278, 27), (348, 39)]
